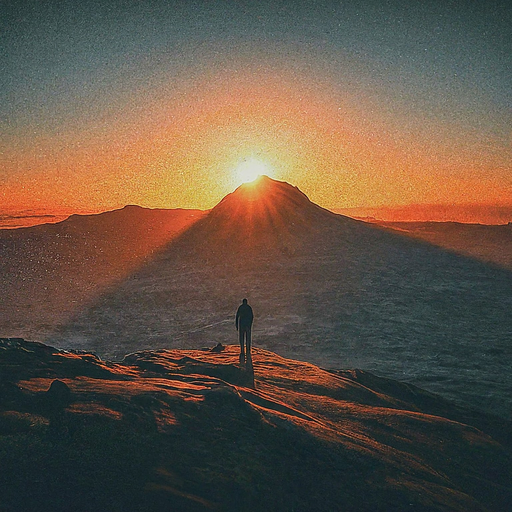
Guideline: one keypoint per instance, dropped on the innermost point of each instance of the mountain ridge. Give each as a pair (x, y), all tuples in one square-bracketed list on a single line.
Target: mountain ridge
[(50, 271)]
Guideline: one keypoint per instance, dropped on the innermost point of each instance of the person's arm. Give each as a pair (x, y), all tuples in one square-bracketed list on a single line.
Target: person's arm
[(236, 318)]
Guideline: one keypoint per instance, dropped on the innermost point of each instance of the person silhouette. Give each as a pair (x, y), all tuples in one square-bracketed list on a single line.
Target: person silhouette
[(243, 323)]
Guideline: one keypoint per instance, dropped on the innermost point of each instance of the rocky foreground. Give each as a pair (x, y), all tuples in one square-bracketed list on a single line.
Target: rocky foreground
[(193, 430)]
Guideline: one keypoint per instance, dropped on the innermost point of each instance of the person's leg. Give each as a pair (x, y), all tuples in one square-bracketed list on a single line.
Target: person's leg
[(248, 341), (241, 340)]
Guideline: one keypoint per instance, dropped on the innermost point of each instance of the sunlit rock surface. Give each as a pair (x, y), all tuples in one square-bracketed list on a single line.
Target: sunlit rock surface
[(192, 430)]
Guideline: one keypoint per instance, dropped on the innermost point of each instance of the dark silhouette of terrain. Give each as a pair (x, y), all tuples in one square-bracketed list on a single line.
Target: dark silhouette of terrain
[(186, 430), (328, 289)]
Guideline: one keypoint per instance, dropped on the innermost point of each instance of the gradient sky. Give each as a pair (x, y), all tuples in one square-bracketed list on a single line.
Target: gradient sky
[(156, 103)]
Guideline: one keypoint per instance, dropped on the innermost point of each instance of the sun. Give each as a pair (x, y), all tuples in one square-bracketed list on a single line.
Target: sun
[(249, 169)]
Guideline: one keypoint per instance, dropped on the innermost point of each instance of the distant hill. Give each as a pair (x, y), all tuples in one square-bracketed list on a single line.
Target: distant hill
[(194, 431), (464, 213), (50, 271), (325, 288), (492, 244)]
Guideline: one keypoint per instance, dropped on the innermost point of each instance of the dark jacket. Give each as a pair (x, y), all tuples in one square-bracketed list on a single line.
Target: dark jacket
[(244, 316)]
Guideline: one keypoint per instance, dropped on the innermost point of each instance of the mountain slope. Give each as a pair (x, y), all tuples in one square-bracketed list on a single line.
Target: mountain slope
[(49, 271), (491, 244), (265, 218), (191, 430)]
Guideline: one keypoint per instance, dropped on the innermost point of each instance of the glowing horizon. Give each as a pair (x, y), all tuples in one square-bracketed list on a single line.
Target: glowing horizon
[(167, 124)]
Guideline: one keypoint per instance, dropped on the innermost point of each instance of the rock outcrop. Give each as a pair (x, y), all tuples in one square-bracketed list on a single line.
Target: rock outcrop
[(192, 430)]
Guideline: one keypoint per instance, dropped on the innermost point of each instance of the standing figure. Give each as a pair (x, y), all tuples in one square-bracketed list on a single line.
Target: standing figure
[(243, 323)]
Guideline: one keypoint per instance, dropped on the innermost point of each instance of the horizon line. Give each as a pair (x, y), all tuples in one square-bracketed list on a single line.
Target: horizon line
[(464, 213)]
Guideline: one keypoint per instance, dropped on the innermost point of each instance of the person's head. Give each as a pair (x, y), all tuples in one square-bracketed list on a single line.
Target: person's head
[(244, 301)]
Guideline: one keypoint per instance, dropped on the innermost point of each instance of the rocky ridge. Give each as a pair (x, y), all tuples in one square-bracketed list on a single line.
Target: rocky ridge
[(193, 430)]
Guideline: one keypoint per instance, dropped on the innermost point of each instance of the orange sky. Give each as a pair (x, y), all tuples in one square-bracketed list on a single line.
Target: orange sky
[(359, 104), (180, 147)]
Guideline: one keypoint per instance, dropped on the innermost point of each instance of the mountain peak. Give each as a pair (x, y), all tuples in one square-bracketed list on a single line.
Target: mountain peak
[(260, 218), (262, 188), (266, 197), (263, 184)]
